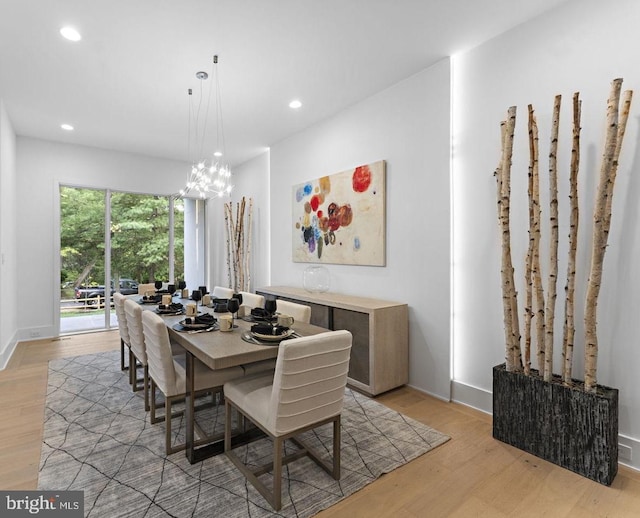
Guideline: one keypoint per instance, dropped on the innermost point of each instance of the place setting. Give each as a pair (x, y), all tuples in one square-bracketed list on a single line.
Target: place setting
[(197, 324), (272, 331)]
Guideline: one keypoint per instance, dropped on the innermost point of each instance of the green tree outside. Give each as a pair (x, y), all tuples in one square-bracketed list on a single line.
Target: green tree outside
[(139, 236)]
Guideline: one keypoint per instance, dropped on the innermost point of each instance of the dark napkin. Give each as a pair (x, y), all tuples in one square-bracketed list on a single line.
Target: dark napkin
[(152, 298), (174, 306), (200, 319), (266, 329), (259, 313)]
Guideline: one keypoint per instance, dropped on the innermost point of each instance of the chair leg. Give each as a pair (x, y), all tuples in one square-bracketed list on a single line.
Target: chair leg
[(336, 448), (122, 367), (167, 424), (277, 474), (152, 394), (146, 388), (227, 426), (132, 369)]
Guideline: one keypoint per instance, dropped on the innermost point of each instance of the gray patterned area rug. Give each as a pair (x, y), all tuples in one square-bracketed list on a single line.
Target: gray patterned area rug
[(97, 438)]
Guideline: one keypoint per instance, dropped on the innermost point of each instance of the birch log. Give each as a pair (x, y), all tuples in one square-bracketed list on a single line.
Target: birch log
[(247, 266), (535, 266), (553, 241), (569, 324), (599, 243), (528, 267), (509, 294), (622, 126), (227, 228)]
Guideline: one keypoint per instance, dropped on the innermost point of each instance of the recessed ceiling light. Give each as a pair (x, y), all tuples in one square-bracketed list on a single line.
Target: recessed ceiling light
[(66, 127), (295, 104), (70, 33)]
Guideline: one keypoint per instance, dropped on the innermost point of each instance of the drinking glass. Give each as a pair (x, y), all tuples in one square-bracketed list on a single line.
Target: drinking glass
[(233, 305), (196, 295), (171, 288), (158, 285), (270, 306)]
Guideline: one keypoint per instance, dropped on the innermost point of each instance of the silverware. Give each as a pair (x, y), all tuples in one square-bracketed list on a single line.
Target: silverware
[(200, 330), (252, 339)]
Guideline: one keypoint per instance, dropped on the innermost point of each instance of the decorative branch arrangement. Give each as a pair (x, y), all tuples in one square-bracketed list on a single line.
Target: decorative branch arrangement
[(535, 305), (238, 245)]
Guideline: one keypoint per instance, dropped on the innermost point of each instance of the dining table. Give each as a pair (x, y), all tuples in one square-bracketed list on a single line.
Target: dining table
[(219, 350)]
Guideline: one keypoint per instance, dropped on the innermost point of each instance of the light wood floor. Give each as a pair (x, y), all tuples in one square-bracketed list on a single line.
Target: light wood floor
[(472, 475)]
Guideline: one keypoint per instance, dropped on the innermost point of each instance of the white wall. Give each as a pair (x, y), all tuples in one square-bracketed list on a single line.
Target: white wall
[(8, 254), (408, 126), (42, 167), (250, 180), (580, 46)]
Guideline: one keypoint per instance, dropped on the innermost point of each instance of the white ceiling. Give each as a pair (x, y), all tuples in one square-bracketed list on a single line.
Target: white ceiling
[(124, 86)]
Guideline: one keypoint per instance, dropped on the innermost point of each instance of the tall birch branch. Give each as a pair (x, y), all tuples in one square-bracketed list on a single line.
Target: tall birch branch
[(509, 294), (600, 234), (570, 287), (536, 271), (553, 242), (528, 267)]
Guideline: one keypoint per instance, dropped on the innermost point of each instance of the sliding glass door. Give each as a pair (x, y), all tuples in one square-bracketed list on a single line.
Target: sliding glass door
[(118, 240)]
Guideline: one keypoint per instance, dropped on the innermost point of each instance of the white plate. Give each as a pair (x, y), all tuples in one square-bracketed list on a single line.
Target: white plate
[(273, 338)]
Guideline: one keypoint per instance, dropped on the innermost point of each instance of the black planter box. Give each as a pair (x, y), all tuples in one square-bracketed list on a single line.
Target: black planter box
[(563, 425)]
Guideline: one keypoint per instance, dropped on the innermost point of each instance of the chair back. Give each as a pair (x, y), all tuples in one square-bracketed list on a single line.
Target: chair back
[(219, 292), (309, 380), (252, 300), (133, 313), (118, 302), (299, 312), (160, 359)]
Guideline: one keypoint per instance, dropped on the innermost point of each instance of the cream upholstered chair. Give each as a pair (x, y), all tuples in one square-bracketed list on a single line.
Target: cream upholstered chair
[(219, 292), (252, 300), (169, 376), (118, 302), (299, 312), (138, 353), (143, 288), (306, 391), (138, 349)]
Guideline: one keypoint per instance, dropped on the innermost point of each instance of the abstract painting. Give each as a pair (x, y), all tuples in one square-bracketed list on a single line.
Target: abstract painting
[(340, 218)]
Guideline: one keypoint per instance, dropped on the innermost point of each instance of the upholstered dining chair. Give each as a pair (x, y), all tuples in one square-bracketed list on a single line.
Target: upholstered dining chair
[(299, 312), (219, 292), (118, 302), (138, 352), (252, 300), (169, 376), (306, 391)]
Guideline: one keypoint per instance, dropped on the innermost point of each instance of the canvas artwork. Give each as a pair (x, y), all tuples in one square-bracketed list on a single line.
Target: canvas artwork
[(340, 219)]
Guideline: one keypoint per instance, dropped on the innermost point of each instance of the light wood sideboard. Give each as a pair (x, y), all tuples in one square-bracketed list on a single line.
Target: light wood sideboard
[(380, 329)]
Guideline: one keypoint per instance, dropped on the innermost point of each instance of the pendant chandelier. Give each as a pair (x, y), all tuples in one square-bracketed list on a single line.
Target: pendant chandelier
[(208, 177)]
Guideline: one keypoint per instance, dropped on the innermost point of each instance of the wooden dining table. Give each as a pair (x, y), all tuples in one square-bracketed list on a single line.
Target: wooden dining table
[(219, 350)]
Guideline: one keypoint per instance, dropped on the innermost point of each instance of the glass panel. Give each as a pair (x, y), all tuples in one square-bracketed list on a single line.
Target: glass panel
[(139, 238), (178, 238), (141, 230), (81, 259)]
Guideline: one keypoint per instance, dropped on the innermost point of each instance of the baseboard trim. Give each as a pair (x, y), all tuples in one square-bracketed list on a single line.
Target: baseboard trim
[(474, 397), (482, 400), (7, 351)]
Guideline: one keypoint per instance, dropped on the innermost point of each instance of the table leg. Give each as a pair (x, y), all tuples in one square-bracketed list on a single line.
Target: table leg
[(189, 411), (214, 448)]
